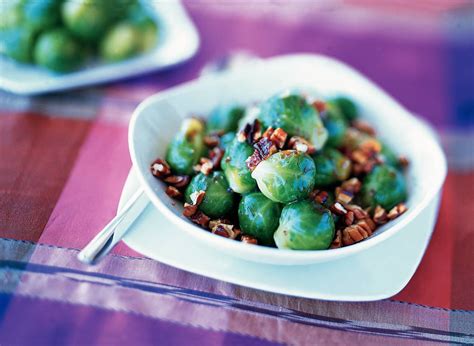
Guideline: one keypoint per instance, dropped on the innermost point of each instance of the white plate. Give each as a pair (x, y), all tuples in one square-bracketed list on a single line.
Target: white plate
[(376, 273), (178, 42), (157, 119)]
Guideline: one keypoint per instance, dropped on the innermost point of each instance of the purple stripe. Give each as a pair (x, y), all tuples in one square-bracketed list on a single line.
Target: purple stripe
[(198, 297), (46, 322)]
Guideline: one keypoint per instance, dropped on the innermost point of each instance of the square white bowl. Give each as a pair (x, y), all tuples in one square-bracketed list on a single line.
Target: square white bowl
[(178, 42), (157, 119)]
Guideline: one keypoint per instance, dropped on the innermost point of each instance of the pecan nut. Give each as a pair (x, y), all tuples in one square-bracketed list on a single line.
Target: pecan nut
[(248, 239), (396, 211), (160, 168), (173, 192), (178, 181)]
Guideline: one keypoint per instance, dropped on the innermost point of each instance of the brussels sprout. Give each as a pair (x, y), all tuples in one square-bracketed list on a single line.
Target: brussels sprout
[(219, 198), (88, 19), (346, 106), (17, 43), (235, 169), (286, 176), (331, 167), (225, 118), (305, 225), (186, 147), (389, 157), (294, 115), (383, 186), (258, 216), (143, 21), (226, 140), (42, 14), (58, 50), (121, 42), (336, 125)]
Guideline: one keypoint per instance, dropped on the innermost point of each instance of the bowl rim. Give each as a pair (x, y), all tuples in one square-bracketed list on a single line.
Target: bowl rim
[(225, 244)]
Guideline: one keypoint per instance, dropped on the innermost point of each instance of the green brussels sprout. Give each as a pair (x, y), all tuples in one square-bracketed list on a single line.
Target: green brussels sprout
[(219, 198), (12, 15), (336, 125), (17, 43), (88, 19), (347, 107), (258, 216), (389, 157), (58, 50), (305, 225), (235, 169), (286, 176), (42, 14), (226, 140), (143, 21), (187, 146), (331, 167), (122, 41), (225, 118), (384, 186), (294, 115)]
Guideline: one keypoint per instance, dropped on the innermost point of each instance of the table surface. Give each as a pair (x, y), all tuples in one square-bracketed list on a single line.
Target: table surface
[(64, 160)]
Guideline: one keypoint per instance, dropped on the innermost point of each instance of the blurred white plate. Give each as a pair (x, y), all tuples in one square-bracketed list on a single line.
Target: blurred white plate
[(376, 273), (178, 42)]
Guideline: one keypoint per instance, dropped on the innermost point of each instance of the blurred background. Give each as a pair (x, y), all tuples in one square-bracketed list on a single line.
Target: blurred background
[(65, 155)]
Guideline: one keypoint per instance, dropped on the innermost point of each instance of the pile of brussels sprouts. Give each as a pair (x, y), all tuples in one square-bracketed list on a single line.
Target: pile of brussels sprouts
[(291, 172), (61, 35)]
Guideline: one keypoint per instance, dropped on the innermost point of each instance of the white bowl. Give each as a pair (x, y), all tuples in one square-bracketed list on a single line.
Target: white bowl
[(157, 119)]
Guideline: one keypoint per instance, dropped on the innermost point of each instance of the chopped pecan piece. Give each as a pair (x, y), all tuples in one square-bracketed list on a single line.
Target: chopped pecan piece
[(264, 148), (214, 223), (344, 197), (225, 230), (360, 231), (380, 215), (196, 199), (189, 209), (352, 185), (173, 192), (212, 140), (278, 137), (160, 168), (364, 126), (248, 239), (403, 161), (349, 218), (205, 166), (178, 181), (319, 105), (216, 155), (319, 196), (359, 213), (338, 208), (396, 211), (300, 144), (200, 218), (250, 133), (337, 242), (268, 132)]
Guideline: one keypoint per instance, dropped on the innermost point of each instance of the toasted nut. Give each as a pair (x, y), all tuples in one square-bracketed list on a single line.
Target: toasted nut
[(248, 239), (200, 218), (337, 242), (216, 155), (214, 223), (403, 161), (178, 181), (319, 105), (349, 218), (359, 213), (344, 197), (197, 197), (319, 196), (300, 144), (268, 132), (189, 209), (359, 156), (278, 137), (396, 211), (212, 140), (338, 209), (380, 215), (355, 233), (173, 192), (363, 126), (205, 166), (264, 148), (352, 185), (160, 168), (225, 230)]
